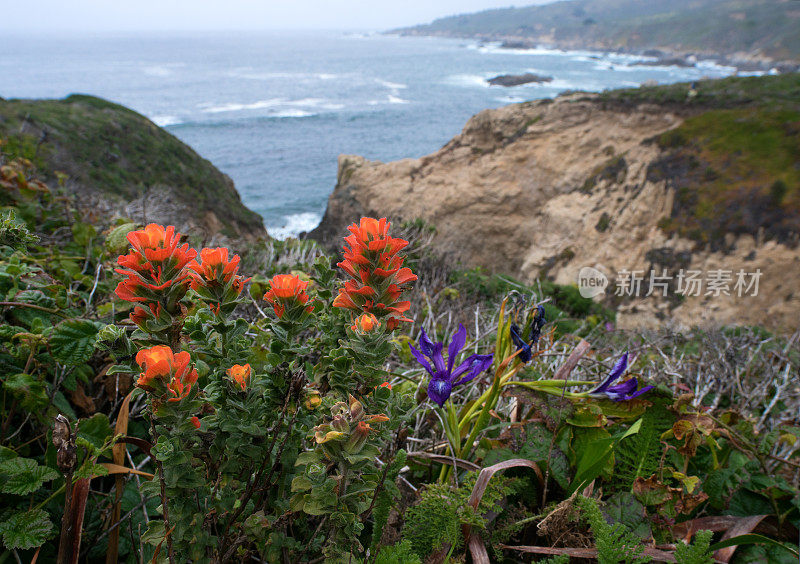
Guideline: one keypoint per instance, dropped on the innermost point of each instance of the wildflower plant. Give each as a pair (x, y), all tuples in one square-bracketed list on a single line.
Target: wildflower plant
[(253, 420)]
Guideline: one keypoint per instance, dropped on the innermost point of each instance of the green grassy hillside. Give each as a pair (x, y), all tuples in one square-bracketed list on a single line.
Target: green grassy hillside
[(735, 160), (108, 149), (766, 27)]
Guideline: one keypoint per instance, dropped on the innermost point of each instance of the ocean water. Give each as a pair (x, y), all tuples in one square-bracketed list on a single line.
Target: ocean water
[(274, 110)]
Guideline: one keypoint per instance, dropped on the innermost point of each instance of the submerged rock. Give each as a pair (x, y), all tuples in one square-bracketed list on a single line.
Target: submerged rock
[(518, 79)]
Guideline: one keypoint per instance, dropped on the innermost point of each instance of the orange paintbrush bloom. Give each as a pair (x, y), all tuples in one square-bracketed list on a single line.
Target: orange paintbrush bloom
[(378, 277), (240, 374), (287, 290), (215, 267), (365, 323), (155, 263), (160, 364)]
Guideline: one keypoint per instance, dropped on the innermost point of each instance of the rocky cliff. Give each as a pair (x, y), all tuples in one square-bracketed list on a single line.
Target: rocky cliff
[(643, 180), (119, 163)]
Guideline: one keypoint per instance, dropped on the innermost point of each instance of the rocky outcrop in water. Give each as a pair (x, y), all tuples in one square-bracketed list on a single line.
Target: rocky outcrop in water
[(518, 79)]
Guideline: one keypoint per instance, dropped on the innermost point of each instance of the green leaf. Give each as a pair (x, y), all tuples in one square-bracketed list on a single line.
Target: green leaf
[(24, 476), (309, 457), (29, 389), (26, 529), (95, 430), (301, 484), (753, 538), (72, 341), (117, 239), (595, 456)]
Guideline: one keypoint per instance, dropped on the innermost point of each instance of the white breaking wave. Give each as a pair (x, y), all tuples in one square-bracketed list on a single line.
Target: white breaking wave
[(273, 103), (157, 70), (392, 85), (511, 99), (396, 100), (470, 80), (164, 121), (294, 224), (291, 114)]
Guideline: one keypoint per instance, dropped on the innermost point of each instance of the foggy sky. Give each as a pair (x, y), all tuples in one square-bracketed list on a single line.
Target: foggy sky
[(165, 15)]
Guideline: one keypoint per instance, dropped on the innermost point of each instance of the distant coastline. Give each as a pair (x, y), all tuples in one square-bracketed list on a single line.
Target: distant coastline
[(662, 56), (749, 35)]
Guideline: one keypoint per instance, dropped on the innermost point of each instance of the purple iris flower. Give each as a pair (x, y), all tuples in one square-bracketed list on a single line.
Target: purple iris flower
[(621, 392), (443, 376), (525, 350)]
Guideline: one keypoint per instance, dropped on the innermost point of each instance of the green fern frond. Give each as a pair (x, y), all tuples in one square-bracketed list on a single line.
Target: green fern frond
[(386, 498), (638, 456), (614, 542), (696, 553)]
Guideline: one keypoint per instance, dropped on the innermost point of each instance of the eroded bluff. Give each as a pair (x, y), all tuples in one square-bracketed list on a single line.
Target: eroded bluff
[(545, 188)]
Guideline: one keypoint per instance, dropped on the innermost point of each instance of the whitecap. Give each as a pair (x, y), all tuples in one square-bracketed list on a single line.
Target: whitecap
[(294, 224), (291, 114), (396, 100), (157, 70), (511, 99), (165, 121), (327, 76), (268, 103), (392, 85), (469, 80)]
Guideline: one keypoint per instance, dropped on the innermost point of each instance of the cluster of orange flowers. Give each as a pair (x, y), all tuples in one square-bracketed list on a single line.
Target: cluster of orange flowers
[(165, 371), (154, 271), (158, 271), (287, 293), (376, 271), (215, 278)]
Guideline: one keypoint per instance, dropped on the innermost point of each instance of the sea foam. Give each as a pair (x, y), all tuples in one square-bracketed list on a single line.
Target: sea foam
[(294, 224)]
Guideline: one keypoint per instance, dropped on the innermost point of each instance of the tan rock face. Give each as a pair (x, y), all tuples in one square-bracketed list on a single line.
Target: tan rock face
[(548, 187)]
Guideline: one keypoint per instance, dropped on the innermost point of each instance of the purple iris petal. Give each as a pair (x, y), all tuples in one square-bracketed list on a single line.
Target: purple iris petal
[(443, 377), (437, 358), (458, 342), (477, 364), (421, 359), (620, 392), (425, 343), (524, 348), (615, 373), (640, 392), (439, 390)]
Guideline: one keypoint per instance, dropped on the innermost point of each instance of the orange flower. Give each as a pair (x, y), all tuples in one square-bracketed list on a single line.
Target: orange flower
[(157, 363), (181, 385), (156, 262), (384, 385), (139, 314), (378, 277), (128, 289), (287, 290), (214, 267), (365, 323), (240, 374), (196, 422), (151, 237), (160, 364)]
